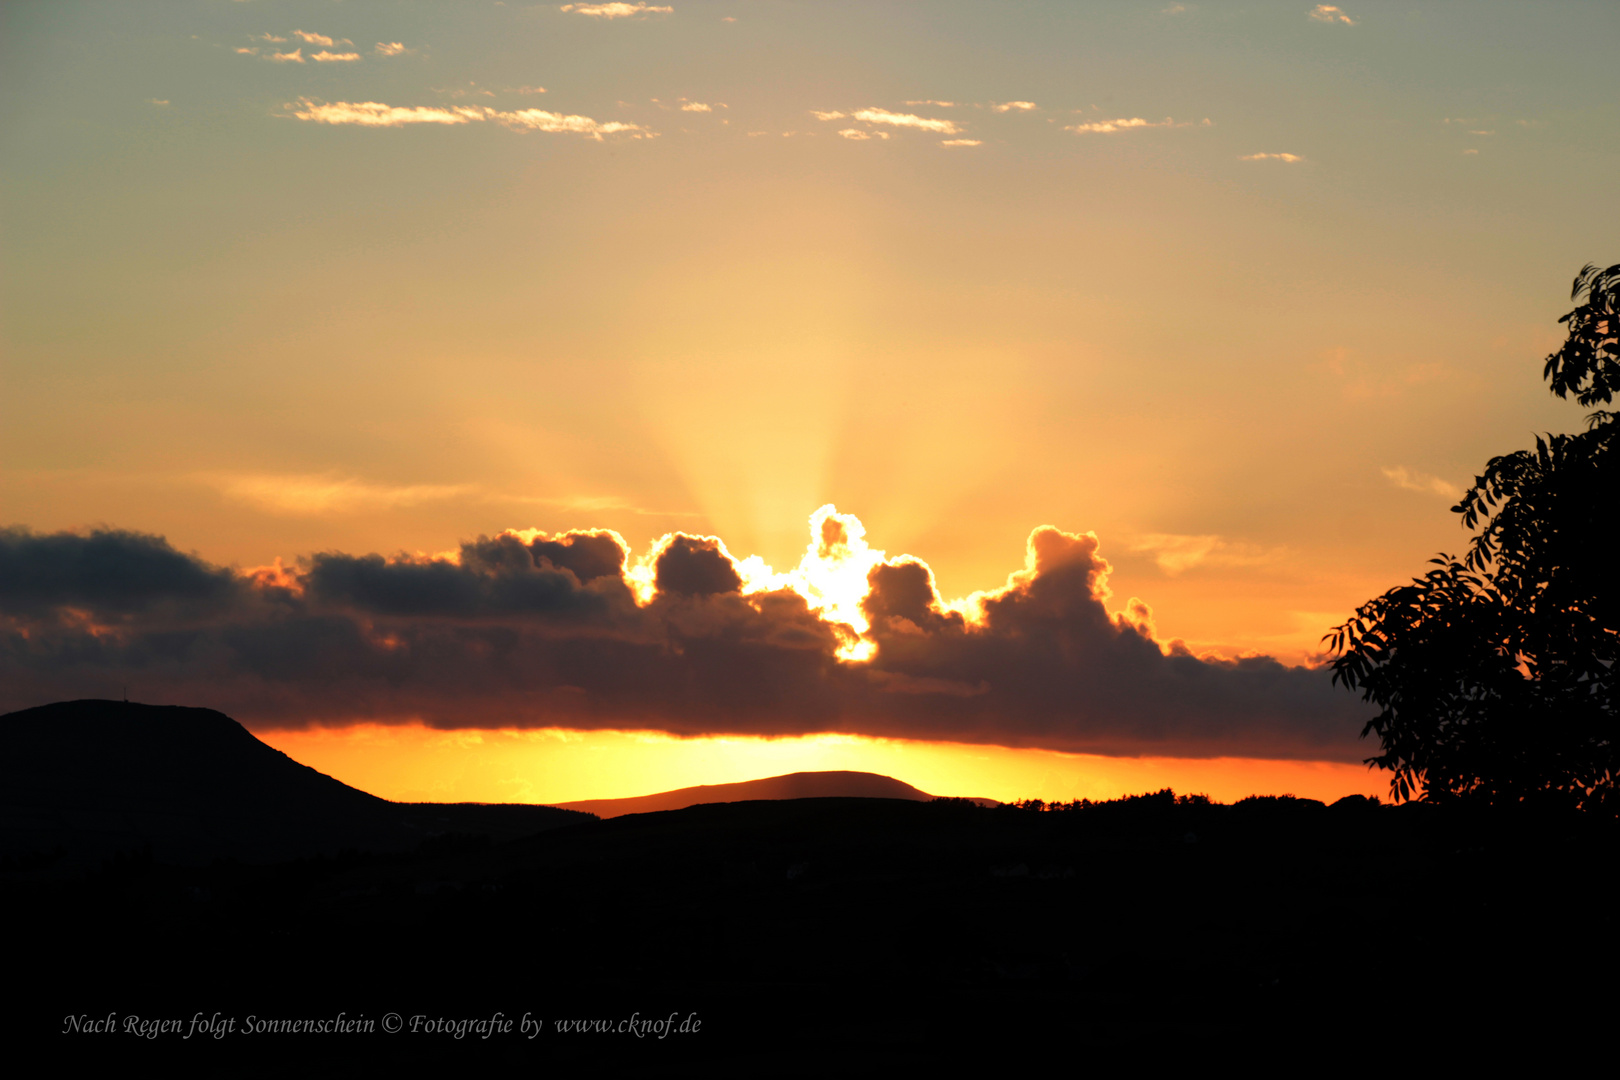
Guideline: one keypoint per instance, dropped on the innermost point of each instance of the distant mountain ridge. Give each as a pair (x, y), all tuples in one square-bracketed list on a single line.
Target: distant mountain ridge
[(94, 777), (799, 785)]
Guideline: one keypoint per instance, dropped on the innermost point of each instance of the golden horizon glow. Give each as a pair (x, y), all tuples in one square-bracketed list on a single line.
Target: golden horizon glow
[(415, 763)]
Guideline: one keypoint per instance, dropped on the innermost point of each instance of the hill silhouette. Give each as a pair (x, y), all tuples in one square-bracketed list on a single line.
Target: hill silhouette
[(90, 778), (799, 785)]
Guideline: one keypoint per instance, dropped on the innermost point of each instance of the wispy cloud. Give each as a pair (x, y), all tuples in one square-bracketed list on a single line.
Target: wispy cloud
[(906, 120), (830, 115), (319, 39), (1009, 106), (1327, 13), (614, 10), (527, 90), (1175, 553), (931, 101), (1108, 127), (273, 39), (391, 48), (961, 142), (327, 493), (294, 57), (325, 57), (1174, 9), (245, 51), (1289, 158), (861, 136), (697, 106), (1412, 480), (377, 114), (157, 101)]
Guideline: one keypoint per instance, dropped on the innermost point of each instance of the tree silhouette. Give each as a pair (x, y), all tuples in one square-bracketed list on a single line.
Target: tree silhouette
[(1495, 673)]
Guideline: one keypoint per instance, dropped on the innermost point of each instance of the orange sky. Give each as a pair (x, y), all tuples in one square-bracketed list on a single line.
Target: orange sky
[(1246, 293)]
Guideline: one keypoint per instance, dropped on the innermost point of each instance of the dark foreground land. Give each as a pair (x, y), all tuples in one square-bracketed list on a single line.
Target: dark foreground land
[(824, 936)]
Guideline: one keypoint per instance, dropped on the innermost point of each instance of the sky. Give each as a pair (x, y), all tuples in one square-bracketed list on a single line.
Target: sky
[(360, 362)]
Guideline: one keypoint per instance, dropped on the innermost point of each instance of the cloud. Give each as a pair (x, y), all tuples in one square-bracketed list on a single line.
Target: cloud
[(294, 57), (614, 10), (318, 39), (157, 101), (1174, 9), (326, 494), (931, 101), (961, 142), (273, 39), (245, 51), (860, 135), (1009, 106), (527, 90), (906, 120), (531, 629), (1289, 158), (831, 115), (1175, 552), (1327, 13), (376, 114), (325, 57), (696, 106), (1108, 127), (1412, 480), (391, 48)]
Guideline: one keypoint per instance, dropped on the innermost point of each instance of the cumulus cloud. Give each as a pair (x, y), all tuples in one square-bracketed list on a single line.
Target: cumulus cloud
[(566, 630), (1289, 158), (1327, 13), (1010, 106), (377, 114), (906, 120), (1412, 480), (614, 10)]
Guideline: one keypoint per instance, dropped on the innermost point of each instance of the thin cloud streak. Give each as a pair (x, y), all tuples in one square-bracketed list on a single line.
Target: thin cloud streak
[(377, 114), (906, 120), (614, 10), (1412, 480)]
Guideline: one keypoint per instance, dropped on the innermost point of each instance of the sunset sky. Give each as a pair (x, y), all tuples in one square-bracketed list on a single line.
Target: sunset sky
[(1248, 291)]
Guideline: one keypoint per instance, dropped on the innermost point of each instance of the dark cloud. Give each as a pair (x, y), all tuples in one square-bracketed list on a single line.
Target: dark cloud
[(109, 571), (695, 566), (535, 630)]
